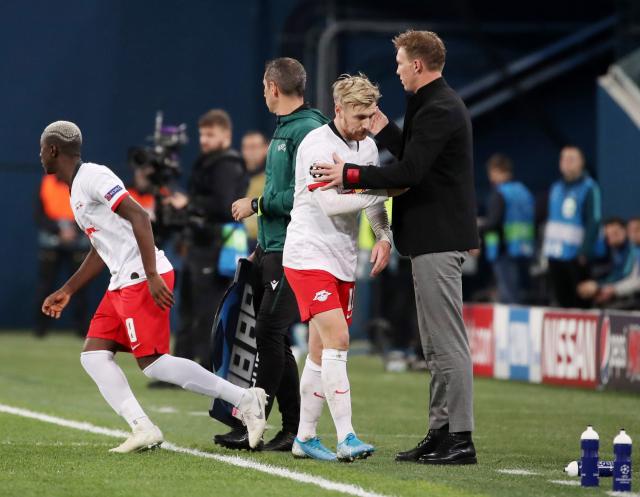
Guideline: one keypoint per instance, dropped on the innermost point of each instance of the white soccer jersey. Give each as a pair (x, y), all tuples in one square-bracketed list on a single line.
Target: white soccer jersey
[(96, 192), (314, 239)]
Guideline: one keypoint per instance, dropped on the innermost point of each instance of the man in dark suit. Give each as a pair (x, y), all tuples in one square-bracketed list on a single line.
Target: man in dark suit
[(434, 222)]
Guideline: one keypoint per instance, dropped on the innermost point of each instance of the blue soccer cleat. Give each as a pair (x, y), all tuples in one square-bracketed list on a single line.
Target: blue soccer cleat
[(352, 448), (313, 449)]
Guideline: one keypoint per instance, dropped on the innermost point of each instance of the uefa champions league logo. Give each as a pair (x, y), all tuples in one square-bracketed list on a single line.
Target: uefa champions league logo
[(625, 469)]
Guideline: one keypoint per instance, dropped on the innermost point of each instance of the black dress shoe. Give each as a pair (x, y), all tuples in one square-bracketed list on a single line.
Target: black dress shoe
[(456, 448), (236, 439), (425, 446), (282, 442)]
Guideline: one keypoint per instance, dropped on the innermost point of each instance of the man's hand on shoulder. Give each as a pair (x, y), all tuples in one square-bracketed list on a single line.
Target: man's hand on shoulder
[(241, 209), (160, 292), (378, 122), (329, 173), (54, 304)]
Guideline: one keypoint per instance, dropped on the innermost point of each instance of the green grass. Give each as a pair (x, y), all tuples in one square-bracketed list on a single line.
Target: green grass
[(521, 426)]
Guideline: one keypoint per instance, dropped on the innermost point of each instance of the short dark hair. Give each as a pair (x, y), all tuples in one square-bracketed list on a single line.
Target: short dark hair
[(615, 220), (634, 219), (501, 162), (424, 45), (288, 74), (215, 117)]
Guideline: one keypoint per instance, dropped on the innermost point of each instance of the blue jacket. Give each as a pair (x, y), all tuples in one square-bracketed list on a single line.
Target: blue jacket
[(515, 235), (574, 218)]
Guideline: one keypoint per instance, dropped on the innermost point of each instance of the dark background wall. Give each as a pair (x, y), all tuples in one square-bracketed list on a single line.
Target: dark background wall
[(110, 65)]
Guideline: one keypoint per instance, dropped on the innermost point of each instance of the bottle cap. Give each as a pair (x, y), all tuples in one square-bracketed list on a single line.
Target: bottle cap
[(589, 434), (572, 468), (622, 438)]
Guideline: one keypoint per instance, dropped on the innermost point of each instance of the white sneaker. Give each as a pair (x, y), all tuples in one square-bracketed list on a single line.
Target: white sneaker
[(252, 413), (140, 440)]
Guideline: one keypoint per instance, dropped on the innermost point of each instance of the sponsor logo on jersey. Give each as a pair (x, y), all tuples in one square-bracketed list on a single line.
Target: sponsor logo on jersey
[(112, 193), (274, 284), (322, 296)]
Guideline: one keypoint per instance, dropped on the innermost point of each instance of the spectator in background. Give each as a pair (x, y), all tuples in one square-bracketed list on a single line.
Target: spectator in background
[(61, 245), (573, 226), (141, 190), (621, 287), (218, 177), (254, 152), (508, 231)]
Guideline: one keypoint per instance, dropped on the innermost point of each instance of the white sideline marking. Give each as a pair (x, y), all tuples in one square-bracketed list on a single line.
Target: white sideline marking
[(570, 483), (520, 472), (623, 494), (318, 481)]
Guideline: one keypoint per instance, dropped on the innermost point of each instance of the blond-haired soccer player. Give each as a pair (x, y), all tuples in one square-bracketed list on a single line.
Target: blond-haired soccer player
[(320, 255), (133, 315)]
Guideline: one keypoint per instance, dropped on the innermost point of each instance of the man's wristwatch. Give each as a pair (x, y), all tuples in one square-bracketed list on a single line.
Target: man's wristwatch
[(254, 205)]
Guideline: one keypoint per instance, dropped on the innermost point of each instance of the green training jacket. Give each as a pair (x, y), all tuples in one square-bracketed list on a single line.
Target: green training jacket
[(277, 199)]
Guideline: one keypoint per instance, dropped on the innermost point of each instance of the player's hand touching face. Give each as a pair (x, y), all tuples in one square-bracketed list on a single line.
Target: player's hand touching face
[(55, 303), (162, 296)]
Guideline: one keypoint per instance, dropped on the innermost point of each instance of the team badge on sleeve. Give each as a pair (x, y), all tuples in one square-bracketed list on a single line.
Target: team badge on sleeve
[(112, 193)]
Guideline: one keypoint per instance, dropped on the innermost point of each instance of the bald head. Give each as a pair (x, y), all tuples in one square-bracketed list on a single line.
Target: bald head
[(65, 135)]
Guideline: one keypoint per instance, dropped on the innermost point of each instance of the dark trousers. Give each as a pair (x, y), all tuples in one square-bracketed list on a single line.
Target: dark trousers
[(50, 263), (564, 277), (278, 371), (512, 279), (201, 290)]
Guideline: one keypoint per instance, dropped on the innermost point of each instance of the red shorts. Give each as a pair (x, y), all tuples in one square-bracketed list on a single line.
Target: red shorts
[(318, 291), (130, 317)]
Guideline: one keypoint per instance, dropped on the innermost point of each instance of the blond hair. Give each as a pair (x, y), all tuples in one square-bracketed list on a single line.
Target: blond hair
[(357, 91), (424, 45)]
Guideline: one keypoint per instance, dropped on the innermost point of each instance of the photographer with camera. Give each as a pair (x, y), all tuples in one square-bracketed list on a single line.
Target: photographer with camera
[(218, 178)]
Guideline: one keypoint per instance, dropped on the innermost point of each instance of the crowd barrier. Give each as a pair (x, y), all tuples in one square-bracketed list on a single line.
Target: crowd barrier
[(585, 349)]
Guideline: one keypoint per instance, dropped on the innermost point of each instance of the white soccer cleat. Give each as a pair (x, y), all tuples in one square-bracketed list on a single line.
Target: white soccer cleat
[(140, 440), (252, 413)]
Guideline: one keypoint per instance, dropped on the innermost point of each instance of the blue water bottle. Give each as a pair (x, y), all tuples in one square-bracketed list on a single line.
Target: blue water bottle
[(589, 444), (622, 462)]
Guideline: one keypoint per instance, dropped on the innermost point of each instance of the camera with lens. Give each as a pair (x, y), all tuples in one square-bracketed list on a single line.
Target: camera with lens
[(160, 164)]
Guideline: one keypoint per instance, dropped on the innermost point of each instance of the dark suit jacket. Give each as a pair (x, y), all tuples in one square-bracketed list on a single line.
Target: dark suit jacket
[(435, 161)]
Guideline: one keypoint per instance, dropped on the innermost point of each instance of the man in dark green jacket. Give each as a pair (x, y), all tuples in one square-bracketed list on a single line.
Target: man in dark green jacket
[(284, 83)]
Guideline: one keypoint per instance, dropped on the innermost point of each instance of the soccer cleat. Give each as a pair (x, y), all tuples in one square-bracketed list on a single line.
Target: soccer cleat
[(312, 449), (140, 440), (252, 413), (352, 448)]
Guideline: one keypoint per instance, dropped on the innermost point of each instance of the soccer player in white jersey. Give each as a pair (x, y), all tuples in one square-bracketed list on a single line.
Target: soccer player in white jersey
[(133, 315), (320, 255)]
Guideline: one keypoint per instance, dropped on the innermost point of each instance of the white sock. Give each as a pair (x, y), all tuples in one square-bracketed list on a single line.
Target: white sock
[(191, 376), (311, 399), (337, 390), (114, 387)]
